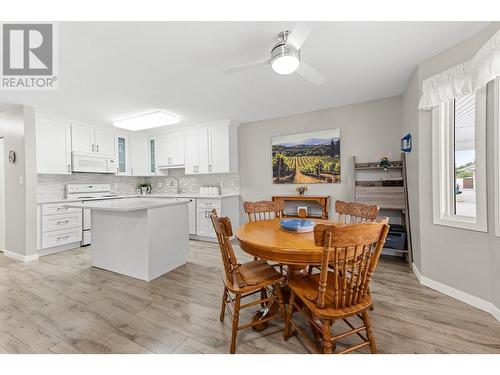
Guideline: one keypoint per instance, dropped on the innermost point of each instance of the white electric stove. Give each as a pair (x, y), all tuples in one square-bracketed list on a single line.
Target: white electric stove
[(85, 192)]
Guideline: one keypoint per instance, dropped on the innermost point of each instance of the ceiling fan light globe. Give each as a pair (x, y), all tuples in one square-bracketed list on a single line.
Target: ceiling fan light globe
[(285, 64)]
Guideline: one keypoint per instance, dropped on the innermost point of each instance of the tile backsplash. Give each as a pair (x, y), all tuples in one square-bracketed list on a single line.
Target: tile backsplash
[(53, 186), (227, 182)]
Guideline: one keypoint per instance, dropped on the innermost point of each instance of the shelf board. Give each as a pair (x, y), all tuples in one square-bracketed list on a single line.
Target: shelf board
[(378, 168)]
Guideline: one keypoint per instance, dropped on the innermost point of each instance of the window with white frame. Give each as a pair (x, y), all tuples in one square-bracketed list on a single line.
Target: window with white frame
[(496, 120), (459, 162)]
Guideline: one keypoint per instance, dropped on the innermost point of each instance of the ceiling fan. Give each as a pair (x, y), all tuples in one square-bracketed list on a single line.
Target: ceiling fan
[(285, 56)]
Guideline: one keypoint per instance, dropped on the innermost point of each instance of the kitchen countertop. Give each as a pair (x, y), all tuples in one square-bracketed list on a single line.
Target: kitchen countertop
[(182, 195), (130, 204)]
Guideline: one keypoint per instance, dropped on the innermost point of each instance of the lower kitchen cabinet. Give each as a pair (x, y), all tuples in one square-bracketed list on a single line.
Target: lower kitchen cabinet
[(58, 226), (192, 217), (225, 206)]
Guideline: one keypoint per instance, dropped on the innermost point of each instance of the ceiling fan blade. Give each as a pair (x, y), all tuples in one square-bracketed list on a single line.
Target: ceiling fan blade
[(298, 35), (250, 65), (309, 73)]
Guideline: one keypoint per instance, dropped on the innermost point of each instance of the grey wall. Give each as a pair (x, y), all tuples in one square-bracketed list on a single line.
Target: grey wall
[(465, 260), (17, 128), (368, 130), (410, 125)]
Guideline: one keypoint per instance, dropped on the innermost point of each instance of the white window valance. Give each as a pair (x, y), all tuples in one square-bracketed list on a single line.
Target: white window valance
[(464, 78)]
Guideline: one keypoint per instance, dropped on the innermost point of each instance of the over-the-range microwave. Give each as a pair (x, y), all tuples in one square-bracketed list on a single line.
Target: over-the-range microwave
[(82, 162)]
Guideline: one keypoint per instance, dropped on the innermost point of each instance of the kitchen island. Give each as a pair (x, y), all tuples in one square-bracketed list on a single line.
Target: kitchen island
[(138, 237)]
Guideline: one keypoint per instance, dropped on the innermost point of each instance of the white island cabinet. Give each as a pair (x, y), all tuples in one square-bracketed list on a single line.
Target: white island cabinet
[(139, 237)]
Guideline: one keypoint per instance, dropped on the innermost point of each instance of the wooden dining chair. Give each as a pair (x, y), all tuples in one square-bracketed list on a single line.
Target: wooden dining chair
[(263, 210), (352, 212), (244, 280), (341, 293)]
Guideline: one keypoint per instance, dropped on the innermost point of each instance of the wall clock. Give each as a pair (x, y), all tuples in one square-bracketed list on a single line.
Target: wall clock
[(12, 157)]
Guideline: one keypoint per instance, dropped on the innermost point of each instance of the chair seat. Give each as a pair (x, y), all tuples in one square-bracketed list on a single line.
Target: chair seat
[(257, 274), (306, 288)]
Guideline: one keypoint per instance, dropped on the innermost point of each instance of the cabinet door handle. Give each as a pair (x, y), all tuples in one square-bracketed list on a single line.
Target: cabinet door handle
[(210, 168), (93, 148), (97, 148), (69, 168), (62, 222), (62, 237)]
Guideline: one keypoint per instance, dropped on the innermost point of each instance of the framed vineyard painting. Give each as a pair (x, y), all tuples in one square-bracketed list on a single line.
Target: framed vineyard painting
[(307, 158)]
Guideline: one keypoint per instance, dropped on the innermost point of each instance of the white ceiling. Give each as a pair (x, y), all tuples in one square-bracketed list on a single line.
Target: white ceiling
[(110, 71)]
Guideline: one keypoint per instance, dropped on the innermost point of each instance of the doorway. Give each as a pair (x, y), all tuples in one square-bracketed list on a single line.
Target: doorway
[(2, 195)]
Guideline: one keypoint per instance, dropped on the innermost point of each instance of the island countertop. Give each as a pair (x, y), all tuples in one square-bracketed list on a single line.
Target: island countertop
[(128, 204)]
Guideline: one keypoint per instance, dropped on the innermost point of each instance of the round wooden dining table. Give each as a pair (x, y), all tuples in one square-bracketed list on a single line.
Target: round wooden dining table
[(265, 239)]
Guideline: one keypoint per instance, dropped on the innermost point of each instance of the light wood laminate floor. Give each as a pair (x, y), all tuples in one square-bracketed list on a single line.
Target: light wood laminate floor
[(59, 304)]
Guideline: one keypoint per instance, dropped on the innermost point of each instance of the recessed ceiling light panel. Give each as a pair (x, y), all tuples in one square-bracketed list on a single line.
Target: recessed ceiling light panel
[(147, 121)]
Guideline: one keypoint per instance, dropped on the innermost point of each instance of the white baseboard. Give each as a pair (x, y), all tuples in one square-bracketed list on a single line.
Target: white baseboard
[(458, 294), (19, 257), (58, 249)]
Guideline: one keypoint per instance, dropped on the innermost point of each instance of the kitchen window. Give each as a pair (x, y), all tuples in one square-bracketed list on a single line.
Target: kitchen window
[(496, 121), (459, 162)]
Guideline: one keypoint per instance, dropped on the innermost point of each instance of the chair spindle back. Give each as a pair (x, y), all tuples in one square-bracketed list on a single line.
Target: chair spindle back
[(352, 251), (351, 212), (224, 232), (263, 210)]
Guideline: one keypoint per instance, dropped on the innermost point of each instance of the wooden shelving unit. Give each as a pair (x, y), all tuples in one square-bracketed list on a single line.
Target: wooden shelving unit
[(318, 205), (387, 188)]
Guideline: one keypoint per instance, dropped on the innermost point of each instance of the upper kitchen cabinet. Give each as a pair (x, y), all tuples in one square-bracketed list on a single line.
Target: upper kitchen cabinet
[(104, 142), (170, 150), (82, 138), (123, 155), (53, 146), (212, 149), (139, 157), (92, 140)]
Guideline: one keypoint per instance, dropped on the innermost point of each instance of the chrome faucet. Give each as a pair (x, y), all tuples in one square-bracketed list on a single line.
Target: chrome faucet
[(178, 190)]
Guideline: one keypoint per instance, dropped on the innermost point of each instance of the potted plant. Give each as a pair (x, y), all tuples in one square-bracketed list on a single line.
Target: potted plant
[(145, 188), (301, 190)]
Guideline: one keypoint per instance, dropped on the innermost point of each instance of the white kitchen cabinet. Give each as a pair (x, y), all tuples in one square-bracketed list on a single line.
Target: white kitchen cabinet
[(58, 227), (53, 146), (139, 158), (123, 155), (219, 155), (104, 142), (225, 206), (196, 151), (211, 149), (88, 139), (170, 150), (204, 226), (192, 216), (191, 151), (82, 138)]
